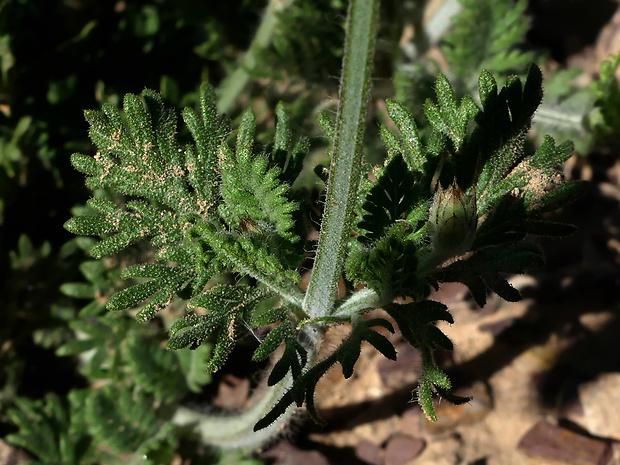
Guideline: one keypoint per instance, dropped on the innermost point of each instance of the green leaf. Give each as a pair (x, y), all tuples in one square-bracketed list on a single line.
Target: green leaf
[(250, 188), (449, 117), (165, 283), (416, 322), (411, 147), (388, 266), (346, 354), (228, 309), (486, 34), (45, 430), (209, 132), (491, 266), (606, 118), (123, 420), (153, 369), (252, 256), (391, 198), (327, 125)]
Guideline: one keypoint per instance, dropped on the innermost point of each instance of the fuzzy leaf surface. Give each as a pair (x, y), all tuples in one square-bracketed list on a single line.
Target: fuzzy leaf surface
[(228, 309)]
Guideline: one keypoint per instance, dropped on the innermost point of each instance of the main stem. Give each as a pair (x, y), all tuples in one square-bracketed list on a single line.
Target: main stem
[(345, 167), (235, 431)]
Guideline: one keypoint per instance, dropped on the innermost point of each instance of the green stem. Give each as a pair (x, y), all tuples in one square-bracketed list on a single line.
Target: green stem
[(360, 302), (235, 83), (346, 160), (548, 116), (235, 431)]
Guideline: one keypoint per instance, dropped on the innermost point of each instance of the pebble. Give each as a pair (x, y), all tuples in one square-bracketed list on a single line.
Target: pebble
[(401, 449), (368, 452)]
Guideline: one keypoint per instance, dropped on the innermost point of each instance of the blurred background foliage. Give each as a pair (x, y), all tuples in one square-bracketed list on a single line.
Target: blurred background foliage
[(63, 358), (57, 342)]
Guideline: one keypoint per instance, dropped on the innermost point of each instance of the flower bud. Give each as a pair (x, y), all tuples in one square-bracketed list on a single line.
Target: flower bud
[(453, 220)]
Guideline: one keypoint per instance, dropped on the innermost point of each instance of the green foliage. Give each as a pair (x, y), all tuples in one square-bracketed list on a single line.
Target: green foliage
[(415, 321), (347, 354), (203, 229), (489, 266), (391, 198), (388, 266), (295, 355), (140, 157), (113, 346), (485, 35), (52, 441), (94, 426), (307, 40), (483, 151), (237, 215), (250, 188), (227, 309), (607, 93)]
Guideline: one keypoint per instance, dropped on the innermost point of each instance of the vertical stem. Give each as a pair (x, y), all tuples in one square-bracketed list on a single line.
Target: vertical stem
[(361, 31), (235, 83), (235, 432)]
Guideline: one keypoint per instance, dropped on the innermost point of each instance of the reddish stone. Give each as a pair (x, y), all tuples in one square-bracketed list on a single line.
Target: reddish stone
[(548, 441), (368, 452), (401, 449), (287, 454)]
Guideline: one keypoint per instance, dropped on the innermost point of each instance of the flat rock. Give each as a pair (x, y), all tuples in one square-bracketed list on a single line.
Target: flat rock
[(368, 452), (549, 442), (285, 453), (402, 449), (441, 451), (597, 399)]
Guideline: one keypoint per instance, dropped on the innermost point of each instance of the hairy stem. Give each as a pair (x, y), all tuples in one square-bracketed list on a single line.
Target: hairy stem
[(235, 83), (345, 167), (235, 431), (363, 300)]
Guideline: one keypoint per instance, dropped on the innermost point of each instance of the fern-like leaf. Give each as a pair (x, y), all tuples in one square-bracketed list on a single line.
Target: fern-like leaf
[(124, 421), (164, 284), (44, 429), (346, 354), (416, 321), (294, 357), (388, 266), (486, 35), (251, 188), (390, 199), (450, 118), (228, 309), (489, 267)]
